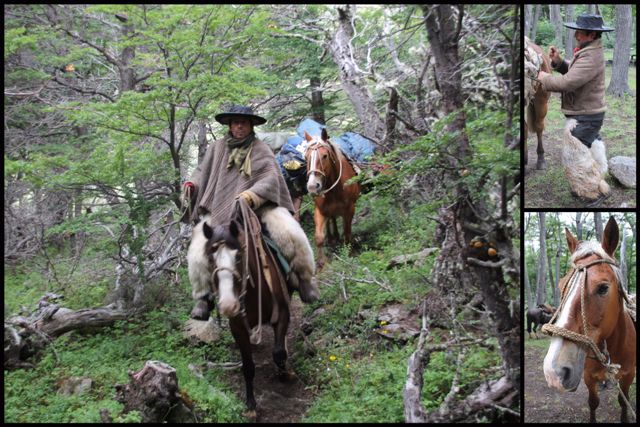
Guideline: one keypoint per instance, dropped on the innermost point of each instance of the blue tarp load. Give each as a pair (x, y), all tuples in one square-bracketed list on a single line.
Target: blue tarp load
[(291, 155)]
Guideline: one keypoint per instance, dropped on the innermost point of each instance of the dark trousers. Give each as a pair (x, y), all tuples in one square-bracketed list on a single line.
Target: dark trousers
[(588, 127)]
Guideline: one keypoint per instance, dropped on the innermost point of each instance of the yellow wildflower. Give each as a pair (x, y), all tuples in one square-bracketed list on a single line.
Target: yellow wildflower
[(333, 358)]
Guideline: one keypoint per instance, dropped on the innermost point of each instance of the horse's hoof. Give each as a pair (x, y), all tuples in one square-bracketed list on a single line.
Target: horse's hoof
[(250, 414), (541, 165), (287, 376), (200, 311)]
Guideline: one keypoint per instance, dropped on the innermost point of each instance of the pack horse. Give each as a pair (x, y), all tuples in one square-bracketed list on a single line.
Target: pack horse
[(328, 170)]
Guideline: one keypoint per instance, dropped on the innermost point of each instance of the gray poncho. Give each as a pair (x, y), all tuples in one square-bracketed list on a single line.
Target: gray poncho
[(217, 186)]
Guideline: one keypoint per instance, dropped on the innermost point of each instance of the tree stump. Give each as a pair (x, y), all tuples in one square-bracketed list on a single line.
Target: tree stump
[(153, 392)]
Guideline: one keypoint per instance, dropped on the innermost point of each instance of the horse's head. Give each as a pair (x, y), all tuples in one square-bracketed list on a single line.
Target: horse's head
[(223, 249), (595, 282), (321, 159)]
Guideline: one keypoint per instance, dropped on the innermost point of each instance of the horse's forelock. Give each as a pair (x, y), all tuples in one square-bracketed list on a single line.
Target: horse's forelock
[(587, 248)]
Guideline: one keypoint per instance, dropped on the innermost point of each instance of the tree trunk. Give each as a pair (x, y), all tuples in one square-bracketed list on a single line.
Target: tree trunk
[(527, 288), (623, 256), (528, 17), (597, 217), (352, 78), (541, 285), (534, 24), (556, 20), (458, 270), (317, 102), (569, 9), (619, 85), (579, 226), (154, 393)]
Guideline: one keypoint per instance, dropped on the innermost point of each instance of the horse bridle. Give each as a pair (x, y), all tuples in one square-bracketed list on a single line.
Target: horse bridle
[(314, 154), (579, 278)]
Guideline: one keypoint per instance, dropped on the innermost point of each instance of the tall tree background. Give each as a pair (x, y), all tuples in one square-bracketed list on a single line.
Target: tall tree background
[(556, 243)]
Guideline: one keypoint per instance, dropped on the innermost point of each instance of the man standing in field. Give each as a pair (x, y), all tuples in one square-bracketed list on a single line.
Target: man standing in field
[(582, 86)]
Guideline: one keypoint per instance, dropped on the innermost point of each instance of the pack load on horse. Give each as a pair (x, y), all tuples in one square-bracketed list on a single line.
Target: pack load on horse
[(328, 171), (355, 147), (593, 331), (538, 316), (535, 97)]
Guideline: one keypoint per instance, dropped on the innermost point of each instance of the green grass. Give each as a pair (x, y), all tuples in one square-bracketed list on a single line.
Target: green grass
[(106, 356)]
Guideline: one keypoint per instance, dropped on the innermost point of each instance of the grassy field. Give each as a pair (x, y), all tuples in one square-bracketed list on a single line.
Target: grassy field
[(549, 188)]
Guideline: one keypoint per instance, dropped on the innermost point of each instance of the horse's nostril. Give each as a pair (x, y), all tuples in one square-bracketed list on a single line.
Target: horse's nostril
[(565, 373)]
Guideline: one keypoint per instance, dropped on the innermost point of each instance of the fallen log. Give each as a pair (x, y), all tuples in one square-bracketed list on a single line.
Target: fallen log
[(417, 258), (24, 336)]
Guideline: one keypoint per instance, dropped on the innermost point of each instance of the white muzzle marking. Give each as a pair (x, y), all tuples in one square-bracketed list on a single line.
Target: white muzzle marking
[(228, 303)]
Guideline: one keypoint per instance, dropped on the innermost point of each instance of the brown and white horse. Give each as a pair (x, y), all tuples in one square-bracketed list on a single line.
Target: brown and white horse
[(327, 172), (250, 291), (536, 98), (594, 337)]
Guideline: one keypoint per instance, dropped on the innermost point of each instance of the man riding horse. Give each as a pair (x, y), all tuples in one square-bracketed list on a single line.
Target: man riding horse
[(242, 165), (582, 86)]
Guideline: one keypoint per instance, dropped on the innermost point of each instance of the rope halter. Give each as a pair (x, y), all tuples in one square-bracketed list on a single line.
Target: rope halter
[(578, 278), (313, 147)]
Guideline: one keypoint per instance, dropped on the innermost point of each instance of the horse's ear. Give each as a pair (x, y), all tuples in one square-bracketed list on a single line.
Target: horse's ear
[(307, 136), (233, 229), (610, 237), (324, 135), (571, 241), (208, 231)]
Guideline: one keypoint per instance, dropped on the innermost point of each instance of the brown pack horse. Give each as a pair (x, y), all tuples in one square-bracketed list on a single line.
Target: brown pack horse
[(327, 172), (536, 98), (594, 337), (265, 299)]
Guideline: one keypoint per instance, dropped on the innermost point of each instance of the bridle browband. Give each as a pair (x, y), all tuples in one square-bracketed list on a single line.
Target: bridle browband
[(314, 148)]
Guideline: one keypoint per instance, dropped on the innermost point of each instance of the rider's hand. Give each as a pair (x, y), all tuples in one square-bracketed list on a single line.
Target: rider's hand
[(247, 197), (554, 55)]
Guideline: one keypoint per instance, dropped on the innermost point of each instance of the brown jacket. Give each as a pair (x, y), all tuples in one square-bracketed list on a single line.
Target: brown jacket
[(216, 186), (582, 86)]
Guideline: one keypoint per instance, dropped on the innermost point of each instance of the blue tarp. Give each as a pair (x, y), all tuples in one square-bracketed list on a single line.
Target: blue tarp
[(355, 146)]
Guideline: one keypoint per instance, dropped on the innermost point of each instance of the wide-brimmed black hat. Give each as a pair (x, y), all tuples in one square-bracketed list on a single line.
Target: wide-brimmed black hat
[(588, 22), (239, 111)]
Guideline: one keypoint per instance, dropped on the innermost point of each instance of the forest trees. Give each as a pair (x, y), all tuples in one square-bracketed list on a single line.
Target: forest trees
[(586, 225)]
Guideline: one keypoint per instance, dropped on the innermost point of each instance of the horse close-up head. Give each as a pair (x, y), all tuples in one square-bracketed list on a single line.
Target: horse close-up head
[(591, 294), (223, 248), (321, 160)]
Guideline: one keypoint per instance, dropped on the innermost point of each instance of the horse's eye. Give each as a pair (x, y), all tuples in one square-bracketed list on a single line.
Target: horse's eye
[(603, 288), (324, 156)]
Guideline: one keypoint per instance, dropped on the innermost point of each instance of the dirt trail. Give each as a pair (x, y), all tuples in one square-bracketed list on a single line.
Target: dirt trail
[(278, 402), (545, 405)]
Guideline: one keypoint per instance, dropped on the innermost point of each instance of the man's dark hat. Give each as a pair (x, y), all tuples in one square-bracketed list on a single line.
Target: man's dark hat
[(588, 23), (239, 111)]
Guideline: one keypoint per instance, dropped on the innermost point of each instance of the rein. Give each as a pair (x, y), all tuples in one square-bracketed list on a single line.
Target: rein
[(316, 145), (579, 278)]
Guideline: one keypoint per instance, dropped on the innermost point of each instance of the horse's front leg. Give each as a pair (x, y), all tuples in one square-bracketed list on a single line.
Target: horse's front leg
[(280, 344), (241, 336), (625, 383), (594, 400), (347, 228), (320, 234), (541, 164)]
